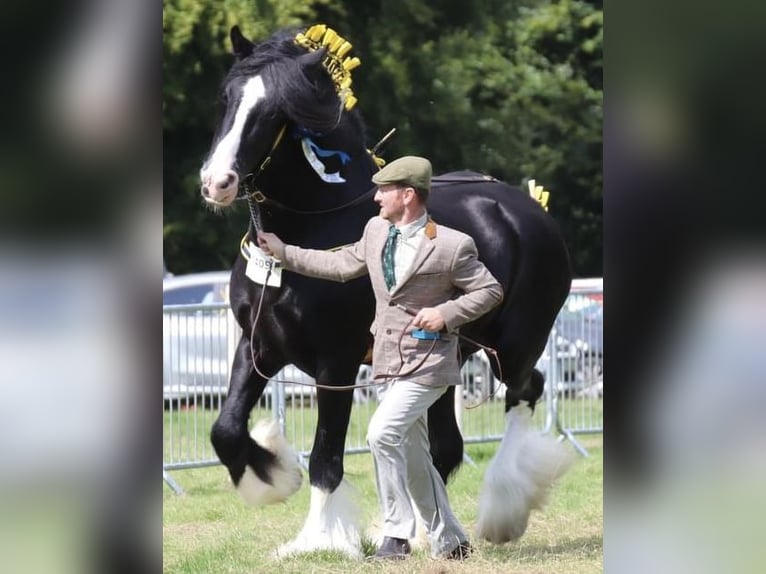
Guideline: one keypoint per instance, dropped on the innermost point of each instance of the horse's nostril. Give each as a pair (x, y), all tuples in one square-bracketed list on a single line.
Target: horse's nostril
[(226, 181), (205, 191)]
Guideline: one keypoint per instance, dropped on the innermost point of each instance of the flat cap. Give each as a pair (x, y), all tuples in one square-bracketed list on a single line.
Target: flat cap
[(412, 170)]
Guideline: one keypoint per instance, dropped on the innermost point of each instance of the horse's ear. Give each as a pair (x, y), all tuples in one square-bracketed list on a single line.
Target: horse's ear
[(311, 59), (242, 47)]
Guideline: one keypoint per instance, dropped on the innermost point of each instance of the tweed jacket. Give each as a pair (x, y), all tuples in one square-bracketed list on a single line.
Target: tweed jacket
[(445, 274)]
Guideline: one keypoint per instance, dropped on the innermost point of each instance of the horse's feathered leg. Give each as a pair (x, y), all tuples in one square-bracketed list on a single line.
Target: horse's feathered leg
[(262, 466), (524, 469), (333, 519), (326, 462)]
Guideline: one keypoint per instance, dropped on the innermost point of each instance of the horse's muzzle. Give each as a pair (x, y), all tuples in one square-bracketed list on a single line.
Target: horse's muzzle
[(219, 189)]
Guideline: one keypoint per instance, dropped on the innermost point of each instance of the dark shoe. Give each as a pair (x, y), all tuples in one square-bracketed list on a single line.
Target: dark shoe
[(460, 552), (393, 549)]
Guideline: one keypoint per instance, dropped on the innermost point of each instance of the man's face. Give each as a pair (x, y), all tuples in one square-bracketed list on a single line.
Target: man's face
[(390, 197)]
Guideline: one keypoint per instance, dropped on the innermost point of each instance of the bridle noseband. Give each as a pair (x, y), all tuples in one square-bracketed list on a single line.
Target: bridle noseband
[(249, 191)]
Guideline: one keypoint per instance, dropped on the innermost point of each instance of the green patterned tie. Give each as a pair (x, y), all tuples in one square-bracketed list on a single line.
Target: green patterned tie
[(388, 256)]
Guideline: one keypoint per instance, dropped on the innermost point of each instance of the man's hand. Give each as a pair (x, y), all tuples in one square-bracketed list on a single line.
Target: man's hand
[(429, 318), (271, 244)]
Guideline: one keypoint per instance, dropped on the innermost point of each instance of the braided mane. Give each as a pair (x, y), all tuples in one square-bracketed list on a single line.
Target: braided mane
[(299, 84)]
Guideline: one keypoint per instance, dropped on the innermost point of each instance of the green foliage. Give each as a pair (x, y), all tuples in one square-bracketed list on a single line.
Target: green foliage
[(513, 89), (196, 57)]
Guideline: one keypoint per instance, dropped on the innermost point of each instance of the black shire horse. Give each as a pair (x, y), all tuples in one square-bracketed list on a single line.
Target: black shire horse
[(288, 138)]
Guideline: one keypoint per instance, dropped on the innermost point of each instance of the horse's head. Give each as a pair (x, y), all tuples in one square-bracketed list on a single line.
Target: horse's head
[(272, 87)]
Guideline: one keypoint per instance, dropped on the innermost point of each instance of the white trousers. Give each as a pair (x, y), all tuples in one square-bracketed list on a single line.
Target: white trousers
[(404, 470)]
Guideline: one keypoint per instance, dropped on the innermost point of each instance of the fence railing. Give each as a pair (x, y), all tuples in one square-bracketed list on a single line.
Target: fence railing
[(198, 347)]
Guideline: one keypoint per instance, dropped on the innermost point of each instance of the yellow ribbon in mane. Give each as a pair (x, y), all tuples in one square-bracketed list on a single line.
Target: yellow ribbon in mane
[(337, 64), (538, 193)]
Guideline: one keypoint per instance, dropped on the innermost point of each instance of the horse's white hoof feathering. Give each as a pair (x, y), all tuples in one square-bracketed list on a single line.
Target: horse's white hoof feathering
[(332, 524), (519, 478), (286, 476)]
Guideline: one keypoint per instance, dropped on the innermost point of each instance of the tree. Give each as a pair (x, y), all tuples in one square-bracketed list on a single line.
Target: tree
[(512, 89), (196, 56)]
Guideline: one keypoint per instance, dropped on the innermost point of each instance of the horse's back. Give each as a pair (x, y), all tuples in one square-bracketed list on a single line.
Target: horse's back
[(518, 240), (522, 246)]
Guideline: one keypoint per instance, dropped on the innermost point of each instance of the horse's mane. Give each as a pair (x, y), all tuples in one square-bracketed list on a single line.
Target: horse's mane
[(304, 93)]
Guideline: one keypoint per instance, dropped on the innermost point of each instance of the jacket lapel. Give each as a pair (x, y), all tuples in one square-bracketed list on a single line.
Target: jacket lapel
[(424, 250)]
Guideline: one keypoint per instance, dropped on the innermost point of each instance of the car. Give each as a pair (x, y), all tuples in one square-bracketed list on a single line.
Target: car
[(198, 332), (196, 288), (199, 337), (479, 382), (579, 336)]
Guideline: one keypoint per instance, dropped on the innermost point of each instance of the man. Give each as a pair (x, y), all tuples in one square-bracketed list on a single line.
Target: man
[(433, 271)]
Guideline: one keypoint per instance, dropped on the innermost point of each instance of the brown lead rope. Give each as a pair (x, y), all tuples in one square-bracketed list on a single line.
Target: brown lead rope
[(286, 381), (489, 350), (399, 374)]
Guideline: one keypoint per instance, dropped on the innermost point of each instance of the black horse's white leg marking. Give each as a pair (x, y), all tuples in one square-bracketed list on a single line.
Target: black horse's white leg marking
[(332, 524), (285, 471), (263, 468), (519, 478), (333, 519)]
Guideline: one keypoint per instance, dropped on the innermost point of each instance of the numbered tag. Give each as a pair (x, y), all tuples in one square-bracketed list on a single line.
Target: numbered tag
[(258, 267)]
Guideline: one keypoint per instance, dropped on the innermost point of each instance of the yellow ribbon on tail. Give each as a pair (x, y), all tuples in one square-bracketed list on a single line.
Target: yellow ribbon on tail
[(538, 193), (337, 63)]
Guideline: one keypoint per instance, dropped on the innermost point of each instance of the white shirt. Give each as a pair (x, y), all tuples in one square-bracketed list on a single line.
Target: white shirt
[(407, 243)]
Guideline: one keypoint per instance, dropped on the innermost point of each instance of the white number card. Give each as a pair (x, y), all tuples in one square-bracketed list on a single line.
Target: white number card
[(258, 267)]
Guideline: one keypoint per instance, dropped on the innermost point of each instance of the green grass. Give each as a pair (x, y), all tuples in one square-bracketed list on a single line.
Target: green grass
[(209, 530)]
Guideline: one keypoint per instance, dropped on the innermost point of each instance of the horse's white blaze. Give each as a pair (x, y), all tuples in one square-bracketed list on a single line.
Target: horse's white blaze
[(286, 472), (332, 524), (519, 477), (225, 154)]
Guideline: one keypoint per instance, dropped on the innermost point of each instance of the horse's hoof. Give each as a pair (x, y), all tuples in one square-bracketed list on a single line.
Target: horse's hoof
[(332, 524), (285, 473), (519, 478)]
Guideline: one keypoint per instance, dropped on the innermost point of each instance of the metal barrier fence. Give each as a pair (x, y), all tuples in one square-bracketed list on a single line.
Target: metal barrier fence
[(198, 347)]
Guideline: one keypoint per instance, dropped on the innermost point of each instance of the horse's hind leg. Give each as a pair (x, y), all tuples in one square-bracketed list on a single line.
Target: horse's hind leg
[(524, 469), (446, 442), (528, 392), (262, 466), (333, 519)]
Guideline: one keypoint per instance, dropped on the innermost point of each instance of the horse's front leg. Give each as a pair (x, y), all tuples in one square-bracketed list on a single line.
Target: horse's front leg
[(262, 466), (333, 519)]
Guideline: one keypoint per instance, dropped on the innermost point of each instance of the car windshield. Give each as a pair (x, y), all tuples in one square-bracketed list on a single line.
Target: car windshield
[(190, 295)]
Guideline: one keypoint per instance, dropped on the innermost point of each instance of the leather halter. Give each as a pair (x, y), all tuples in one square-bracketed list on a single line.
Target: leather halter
[(253, 194), (256, 194)]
